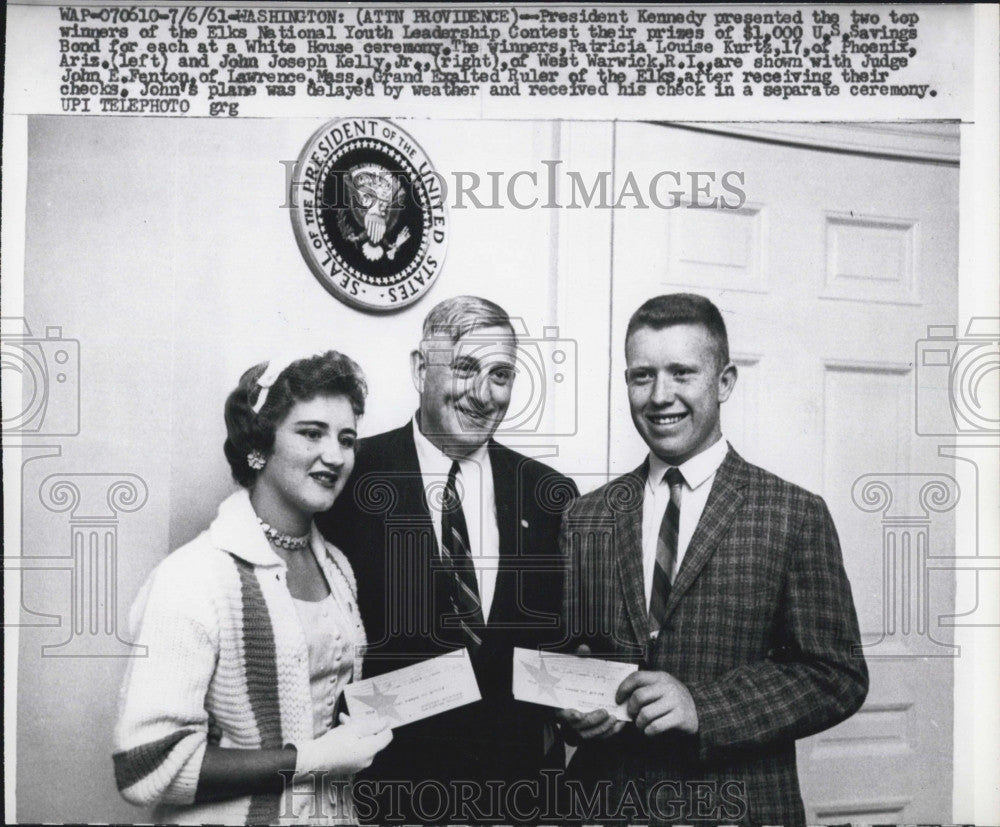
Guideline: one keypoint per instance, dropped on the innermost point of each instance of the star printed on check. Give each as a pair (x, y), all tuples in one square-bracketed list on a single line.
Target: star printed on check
[(383, 703), (545, 680), (368, 213)]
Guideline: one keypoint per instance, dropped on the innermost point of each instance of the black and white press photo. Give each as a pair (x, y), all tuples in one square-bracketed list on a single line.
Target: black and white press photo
[(502, 414)]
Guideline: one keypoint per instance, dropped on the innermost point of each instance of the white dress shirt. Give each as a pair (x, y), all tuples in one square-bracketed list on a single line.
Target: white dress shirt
[(699, 474), (474, 483)]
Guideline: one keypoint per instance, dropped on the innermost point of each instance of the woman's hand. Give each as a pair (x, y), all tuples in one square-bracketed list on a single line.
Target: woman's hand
[(343, 750)]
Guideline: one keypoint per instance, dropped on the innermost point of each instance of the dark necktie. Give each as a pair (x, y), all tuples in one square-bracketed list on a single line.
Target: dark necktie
[(666, 551), (464, 593)]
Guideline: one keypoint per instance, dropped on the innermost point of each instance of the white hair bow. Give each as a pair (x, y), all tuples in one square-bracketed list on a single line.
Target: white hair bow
[(270, 376)]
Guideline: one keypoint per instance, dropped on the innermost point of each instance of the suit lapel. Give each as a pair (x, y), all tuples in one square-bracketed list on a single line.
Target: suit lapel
[(627, 507), (507, 503), (505, 497), (424, 593), (412, 498), (723, 503)]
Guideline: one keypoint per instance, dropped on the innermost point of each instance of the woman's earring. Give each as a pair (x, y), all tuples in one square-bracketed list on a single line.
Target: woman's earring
[(256, 460)]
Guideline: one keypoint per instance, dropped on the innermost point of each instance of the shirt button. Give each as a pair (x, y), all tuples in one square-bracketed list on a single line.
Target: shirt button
[(337, 635), (325, 613), (329, 701)]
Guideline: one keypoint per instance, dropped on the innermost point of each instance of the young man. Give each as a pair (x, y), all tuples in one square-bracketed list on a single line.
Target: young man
[(431, 578), (723, 582)]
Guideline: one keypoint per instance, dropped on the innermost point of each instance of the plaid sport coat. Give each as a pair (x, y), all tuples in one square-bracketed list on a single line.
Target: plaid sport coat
[(760, 626)]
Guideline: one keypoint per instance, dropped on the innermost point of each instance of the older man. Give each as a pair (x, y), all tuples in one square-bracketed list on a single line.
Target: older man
[(723, 583), (454, 542)]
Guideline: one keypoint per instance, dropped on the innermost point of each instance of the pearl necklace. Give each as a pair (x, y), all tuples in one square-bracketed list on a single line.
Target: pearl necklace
[(284, 540)]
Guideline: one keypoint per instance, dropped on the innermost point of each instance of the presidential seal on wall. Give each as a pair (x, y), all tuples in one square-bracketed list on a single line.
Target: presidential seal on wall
[(368, 213)]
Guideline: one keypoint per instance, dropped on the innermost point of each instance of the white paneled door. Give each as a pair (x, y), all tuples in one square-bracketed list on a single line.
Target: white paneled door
[(828, 273)]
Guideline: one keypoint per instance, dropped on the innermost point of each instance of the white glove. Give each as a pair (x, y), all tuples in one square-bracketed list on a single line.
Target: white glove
[(343, 750)]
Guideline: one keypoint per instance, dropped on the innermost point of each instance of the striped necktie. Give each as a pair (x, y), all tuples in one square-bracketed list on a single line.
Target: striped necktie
[(464, 600), (666, 552)]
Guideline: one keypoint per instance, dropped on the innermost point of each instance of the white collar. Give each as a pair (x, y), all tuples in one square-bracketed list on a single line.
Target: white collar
[(696, 470), (235, 530), (432, 459)]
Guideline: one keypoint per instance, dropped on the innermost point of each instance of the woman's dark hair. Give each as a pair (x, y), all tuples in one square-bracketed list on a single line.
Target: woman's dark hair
[(328, 374)]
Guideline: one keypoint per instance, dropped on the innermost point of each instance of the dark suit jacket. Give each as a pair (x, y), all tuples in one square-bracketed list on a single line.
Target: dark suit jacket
[(760, 627), (382, 522)]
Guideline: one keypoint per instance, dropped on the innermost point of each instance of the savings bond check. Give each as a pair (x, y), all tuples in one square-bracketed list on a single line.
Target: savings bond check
[(569, 682), (415, 692)]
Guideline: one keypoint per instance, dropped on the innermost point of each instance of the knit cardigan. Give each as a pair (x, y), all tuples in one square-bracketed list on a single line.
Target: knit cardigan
[(226, 664)]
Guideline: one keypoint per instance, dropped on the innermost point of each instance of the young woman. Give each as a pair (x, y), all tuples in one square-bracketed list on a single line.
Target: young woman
[(252, 629)]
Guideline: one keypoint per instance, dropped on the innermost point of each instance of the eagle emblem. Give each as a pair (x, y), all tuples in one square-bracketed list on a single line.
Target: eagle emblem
[(369, 213), (374, 203)]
